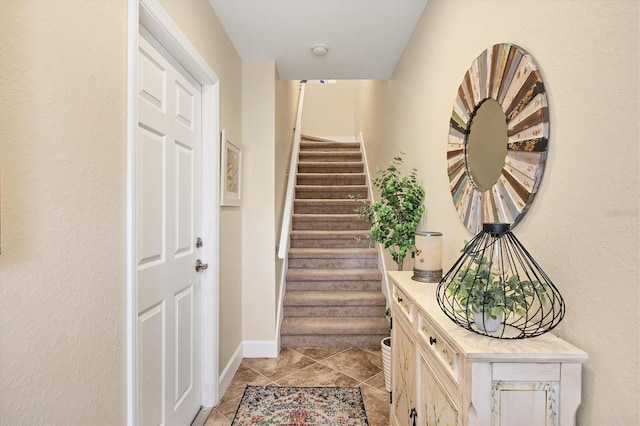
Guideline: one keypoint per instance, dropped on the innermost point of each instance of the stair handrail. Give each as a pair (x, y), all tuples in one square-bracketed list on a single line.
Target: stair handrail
[(287, 214), (382, 263)]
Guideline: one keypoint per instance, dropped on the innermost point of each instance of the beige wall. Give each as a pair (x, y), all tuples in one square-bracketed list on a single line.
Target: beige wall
[(199, 23), (63, 170), (369, 113), (583, 227), (62, 140), (329, 109), (258, 203)]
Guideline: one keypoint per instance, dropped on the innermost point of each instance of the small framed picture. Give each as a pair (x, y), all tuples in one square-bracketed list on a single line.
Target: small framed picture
[(231, 172)]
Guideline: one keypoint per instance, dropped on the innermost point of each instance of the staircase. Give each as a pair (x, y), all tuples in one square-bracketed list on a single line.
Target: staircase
[(333, 295)]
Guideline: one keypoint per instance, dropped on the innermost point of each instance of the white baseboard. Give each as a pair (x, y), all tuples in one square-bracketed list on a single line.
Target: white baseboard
[(260, 349), (247, 349), (229, 371)]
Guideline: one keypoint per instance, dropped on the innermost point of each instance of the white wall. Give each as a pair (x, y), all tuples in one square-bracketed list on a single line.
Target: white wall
[(258, 203), (583, 227)]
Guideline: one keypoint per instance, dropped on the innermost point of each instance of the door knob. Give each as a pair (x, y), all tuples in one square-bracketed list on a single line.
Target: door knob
[(201, 266)]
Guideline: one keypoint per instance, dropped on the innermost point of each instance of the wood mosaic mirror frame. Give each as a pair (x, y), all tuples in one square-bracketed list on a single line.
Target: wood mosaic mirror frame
[(509, 75)]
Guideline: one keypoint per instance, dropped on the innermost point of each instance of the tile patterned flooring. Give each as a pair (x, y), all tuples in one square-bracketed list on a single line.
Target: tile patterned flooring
[(311, 367)]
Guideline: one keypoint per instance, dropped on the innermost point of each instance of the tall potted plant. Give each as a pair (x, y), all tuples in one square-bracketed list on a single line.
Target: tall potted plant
[(396, 215)]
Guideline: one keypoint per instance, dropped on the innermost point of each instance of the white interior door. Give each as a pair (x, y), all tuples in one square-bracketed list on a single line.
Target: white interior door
[(168, 222)]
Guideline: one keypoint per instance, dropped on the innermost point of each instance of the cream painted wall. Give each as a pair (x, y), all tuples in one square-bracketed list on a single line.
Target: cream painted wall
[(62, 268), (258, 203), (63, 170), (329, 109), (369, 113), (199, 23), (583, 227)]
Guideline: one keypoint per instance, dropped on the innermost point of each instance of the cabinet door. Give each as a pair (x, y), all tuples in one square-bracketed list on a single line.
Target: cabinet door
[(524, 403), (404, 374), (436, 406), (525, 393)]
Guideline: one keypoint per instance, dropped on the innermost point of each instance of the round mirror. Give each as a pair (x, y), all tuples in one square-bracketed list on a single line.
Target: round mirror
[(498, 137), (487, 144)]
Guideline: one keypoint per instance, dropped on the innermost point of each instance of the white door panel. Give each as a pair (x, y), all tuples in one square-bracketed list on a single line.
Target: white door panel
[(168, 222)]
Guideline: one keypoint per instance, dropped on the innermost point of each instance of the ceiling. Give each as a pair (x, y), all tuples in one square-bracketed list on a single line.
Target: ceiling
[(365, 38)]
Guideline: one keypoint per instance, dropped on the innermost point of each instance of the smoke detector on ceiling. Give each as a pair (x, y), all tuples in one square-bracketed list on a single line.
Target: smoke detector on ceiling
[(319, 49)]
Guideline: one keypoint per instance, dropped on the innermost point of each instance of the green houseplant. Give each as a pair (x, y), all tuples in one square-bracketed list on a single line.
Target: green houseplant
[(487, 296), (395, 216)]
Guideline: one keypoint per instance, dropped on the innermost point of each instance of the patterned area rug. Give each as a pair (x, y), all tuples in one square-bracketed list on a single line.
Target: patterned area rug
[(276, 405)]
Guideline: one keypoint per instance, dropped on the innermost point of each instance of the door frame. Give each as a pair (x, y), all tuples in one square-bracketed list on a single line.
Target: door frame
[(150, 14)]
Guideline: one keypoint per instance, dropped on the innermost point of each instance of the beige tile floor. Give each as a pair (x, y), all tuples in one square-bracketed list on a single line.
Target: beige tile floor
[(311, 367)]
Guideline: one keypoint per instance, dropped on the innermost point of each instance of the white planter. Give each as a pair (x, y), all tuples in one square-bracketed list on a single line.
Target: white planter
[(385, 347), (486, 323)]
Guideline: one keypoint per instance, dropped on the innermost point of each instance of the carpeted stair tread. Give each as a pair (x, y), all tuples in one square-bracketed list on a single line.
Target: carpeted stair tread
[(313, 235), (330, 156), (335, 326), (331, 179), (342, 222), (328, 218), (334, 298), (331, 192), (306, 145), (324, 206), (355, 274), (329, 253), (334, 285), (327, 239), (330, 167), (331, 188), (333, 341)]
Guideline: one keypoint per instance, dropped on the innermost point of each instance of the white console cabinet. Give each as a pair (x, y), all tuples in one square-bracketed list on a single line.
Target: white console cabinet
[(443, 374)]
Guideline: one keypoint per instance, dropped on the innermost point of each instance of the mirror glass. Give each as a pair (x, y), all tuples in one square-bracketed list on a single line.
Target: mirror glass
[(487, 144)]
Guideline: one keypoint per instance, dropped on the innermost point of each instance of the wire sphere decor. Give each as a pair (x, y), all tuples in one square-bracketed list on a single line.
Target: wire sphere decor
[(497, 289)]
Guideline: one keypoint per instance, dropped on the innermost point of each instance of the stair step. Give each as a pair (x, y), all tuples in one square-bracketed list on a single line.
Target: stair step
[(328, 239), (333, 331), (368, 279), (332, 253), (331, 192), (333, 258), (330, 167), (330, 156), (325, 206), (335, 325), (336, 222), (334, 298), (348, 275), (346, 341), (333, 311), (306, 145), (331, 179)]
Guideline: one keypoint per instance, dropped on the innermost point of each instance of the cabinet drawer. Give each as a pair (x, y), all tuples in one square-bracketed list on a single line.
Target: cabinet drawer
[(403, 305), (442, 350)]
